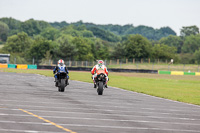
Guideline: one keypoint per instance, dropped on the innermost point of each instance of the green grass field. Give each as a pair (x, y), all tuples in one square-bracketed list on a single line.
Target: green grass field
[(179, 88), (161, 66)]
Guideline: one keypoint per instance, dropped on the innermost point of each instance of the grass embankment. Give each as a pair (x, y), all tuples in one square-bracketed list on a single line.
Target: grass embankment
[(179, 88)]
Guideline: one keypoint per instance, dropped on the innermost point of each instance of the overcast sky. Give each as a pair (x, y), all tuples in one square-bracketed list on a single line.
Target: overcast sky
[(154, 13)]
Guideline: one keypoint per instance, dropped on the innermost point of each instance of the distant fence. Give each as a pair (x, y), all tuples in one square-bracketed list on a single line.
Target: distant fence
[(145, 64), (25, 66)]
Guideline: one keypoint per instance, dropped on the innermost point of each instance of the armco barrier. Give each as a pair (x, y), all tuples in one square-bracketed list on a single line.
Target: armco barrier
[(3, 65), (22, 66), (32, 66), (12, 66), (133, 70), (110, 70)]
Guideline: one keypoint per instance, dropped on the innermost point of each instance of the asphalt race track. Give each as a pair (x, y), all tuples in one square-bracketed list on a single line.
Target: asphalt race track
[(30, 103)]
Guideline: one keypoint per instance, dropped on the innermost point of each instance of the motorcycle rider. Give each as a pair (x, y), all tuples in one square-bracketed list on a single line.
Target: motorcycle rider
[(60, 67), (99, 66)]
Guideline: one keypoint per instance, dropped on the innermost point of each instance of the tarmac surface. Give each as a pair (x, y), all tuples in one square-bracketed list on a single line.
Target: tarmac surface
[(31, 103)]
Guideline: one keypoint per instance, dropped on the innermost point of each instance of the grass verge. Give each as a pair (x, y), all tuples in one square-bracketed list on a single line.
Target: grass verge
[(179, 88)]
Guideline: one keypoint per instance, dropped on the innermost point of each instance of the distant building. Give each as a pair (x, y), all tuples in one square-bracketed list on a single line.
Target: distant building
[(5, 58)]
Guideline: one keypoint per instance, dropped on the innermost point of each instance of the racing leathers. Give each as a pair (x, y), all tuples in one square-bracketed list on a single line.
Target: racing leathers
[(59, 69), (94, 73)]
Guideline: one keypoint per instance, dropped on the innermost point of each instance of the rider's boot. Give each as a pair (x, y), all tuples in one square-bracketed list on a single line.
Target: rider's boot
[(107, 79), (106, 86), (67, 80), (95, 85), (56, 80)]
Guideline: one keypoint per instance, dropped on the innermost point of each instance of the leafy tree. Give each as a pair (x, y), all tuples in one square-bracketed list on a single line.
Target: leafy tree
[(58, 25), (11, 22), (100, 50), (39, 48), (3, 31), (137, 46), (66, 49), (18, 43), (191, 44), (105, 35), (119, 51), (197, 55), (162, 51), (13, 25), (50, 33), (33, 27), (172, 41), (190, 30), (43, 25), (145, 31), (76, 31), (69, 30), (150, 32), (100, 30), (187, 58), (84, 49)]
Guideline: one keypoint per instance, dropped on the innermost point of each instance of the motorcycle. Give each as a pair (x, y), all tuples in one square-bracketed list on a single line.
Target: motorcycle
[(62, 81), (100, 81)]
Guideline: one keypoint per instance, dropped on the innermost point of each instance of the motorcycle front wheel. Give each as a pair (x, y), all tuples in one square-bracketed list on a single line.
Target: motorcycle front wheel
[(100, 88), (62, 85)]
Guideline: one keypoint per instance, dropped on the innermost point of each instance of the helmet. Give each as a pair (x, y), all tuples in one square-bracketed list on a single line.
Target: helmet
[(100, 63), (61, 62)]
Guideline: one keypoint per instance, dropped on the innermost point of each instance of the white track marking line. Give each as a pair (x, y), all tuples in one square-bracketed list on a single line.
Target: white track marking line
[(92, 102), (137, 128), (135, 116), (27, 131), (109, 110), (47, 124), (71, 104), (98, 119), (97, 126)]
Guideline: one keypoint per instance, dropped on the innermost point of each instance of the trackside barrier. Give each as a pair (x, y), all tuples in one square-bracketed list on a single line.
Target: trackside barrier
[(197, 73), (22, 66), (32, 66), (164, 72), (189, 73), (12, 66), (179, 73), (110, 70), (3, 65)]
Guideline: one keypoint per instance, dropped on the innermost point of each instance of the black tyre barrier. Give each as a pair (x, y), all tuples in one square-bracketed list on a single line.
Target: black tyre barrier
[(110, 70)]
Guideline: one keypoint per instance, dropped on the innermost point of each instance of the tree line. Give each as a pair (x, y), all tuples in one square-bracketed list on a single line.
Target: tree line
[(86, 41)]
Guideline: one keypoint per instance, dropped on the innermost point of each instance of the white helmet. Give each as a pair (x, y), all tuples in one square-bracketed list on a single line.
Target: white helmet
[(61, 62), (100, 63)]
